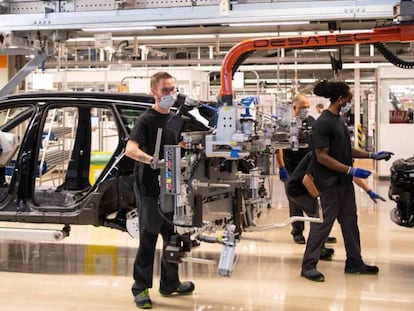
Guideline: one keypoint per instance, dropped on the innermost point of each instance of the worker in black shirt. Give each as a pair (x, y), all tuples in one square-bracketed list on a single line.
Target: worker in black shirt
[(141, 147), (333, 173), (302, 190), (288, 159)]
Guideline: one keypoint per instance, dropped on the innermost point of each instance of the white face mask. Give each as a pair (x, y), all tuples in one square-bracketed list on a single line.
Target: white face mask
[(303, 113), (167, 101), (346, 108)]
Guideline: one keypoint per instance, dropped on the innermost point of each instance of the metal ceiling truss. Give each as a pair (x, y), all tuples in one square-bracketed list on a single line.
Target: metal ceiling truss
[(77, 14)]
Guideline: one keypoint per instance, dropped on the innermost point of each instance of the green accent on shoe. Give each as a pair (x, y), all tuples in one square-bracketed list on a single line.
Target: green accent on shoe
[(142, 300), (184, 288), (313, 275)]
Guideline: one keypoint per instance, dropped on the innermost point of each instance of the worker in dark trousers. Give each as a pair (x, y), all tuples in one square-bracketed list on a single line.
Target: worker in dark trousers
[(302, 191), (333, 173), (153, 221), (288, 159)]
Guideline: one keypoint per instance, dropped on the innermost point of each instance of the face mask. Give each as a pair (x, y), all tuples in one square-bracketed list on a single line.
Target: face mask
[(303, 113), (167, 101), (346, 108)]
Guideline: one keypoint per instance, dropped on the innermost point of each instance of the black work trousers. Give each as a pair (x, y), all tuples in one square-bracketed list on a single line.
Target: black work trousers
[(305, 203), (151, 223), (337, 202), (295, 209)]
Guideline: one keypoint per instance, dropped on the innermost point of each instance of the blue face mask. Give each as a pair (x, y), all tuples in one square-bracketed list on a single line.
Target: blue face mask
[(303, 113), (167, 101), (346, 108)]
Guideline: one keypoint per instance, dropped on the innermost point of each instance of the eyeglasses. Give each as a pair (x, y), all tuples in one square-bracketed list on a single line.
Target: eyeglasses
[(168, 90)]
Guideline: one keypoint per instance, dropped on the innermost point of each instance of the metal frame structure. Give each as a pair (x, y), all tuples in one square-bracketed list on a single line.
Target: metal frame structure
[(77, 14)]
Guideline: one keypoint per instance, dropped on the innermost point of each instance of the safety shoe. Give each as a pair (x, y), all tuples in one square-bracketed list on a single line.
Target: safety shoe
[(326, 253), (142, 300), (299, 239), (361, 269), (183, 289), (331, 240), (313, 275)]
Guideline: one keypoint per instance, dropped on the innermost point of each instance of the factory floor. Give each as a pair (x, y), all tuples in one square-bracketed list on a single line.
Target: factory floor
[(91, 269)]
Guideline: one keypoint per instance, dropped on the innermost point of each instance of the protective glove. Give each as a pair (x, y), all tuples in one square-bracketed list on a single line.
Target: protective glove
[(283, 174), (358, 172), (374, 196), (382, 155)]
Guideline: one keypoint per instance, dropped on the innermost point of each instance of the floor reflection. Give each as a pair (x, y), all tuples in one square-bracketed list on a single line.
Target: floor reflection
[(92, 270)]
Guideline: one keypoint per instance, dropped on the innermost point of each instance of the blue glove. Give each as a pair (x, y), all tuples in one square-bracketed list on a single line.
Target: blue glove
[(283, 174), (382, 155), (358, 172), (374, 196)]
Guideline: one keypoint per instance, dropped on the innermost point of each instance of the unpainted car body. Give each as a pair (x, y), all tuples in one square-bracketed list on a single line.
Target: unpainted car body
[(53, 176)]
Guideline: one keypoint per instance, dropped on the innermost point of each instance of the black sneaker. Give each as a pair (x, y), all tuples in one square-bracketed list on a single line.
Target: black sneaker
[(299, 239), (331, 240), (313, 275), (142, 300), (183, 289), (326, 253), (361, 269)]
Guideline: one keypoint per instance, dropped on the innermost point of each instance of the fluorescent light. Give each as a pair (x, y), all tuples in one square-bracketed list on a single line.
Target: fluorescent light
[(143, 38), (367, 80), (275, 81), (269, 24), (221, 35), (252, 35), (115, 29), (92, 39), (178, 37), (315, 50)]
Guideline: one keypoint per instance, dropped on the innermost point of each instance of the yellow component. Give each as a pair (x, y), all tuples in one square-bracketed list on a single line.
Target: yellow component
[(233, 143), (100, 259), (360, 136), (122, 88), (98, 163)]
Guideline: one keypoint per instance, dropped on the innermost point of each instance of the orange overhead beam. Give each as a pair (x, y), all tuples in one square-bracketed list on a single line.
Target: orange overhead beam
[(395, 33), (3, 61)]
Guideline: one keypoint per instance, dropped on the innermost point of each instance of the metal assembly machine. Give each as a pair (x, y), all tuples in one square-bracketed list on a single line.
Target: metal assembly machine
[(219, 182)]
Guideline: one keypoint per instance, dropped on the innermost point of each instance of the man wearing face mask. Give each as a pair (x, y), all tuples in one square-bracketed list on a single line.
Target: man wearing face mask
[(141, 147), (288, 160)]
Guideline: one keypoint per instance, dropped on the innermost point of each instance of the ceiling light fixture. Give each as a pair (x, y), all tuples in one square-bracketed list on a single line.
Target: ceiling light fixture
[(178, 37), (268, 24), (118, 29), (92, 39)]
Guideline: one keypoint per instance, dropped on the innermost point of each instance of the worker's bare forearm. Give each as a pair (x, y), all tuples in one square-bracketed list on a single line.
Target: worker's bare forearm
[(133, 151), (325, 159)]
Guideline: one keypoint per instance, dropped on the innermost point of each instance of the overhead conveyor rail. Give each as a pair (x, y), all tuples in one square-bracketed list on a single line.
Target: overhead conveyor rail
[(392, 33)]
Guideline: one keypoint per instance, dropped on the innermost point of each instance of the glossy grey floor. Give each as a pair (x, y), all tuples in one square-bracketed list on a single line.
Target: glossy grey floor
[(91, 270)]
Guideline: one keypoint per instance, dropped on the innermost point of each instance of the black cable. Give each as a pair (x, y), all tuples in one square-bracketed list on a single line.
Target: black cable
[(392, 58), (239, 61)]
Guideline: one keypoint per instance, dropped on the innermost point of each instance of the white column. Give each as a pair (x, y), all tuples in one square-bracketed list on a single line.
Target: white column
[(357, 98)]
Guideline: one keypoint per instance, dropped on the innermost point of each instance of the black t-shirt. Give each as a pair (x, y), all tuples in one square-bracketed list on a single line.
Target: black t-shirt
[(292, 158), (294, 186), (145, 134), (330, 131)]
